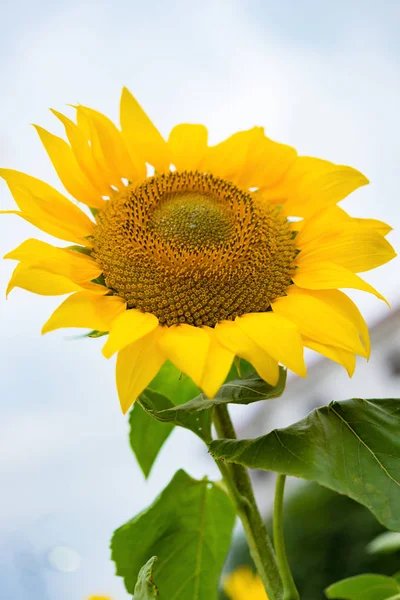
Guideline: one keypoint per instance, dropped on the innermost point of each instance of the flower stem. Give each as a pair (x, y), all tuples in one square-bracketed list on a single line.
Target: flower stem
[(289, 586), (238, 482)]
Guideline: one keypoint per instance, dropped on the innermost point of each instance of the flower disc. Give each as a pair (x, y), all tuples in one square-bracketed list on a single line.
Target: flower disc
[(192, 248)]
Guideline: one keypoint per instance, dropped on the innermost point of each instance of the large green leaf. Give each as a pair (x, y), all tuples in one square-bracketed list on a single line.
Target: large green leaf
[(352, 447), (145, 588), (365, 587), (385, 543), (189, 528), (146, 436)]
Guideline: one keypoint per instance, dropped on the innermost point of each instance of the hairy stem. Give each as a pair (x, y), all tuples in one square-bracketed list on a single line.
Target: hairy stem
[(238, 482), (289, 586)]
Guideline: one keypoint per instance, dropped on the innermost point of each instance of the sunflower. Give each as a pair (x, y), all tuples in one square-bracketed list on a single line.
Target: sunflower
[(243, 584), (195, 253)]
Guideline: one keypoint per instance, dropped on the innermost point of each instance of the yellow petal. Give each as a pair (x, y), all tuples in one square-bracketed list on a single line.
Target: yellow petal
[(109, 149), (188, 144), (276, 335), (82, 150), (323, 183), (373, 225), (137, 365), (342, 304), (40, 281), (218, 363), (266, 163), (187, 348), (85, 309), (312, 184), (228, 158), (46, 208), (143, 140), (322, 222), (237, 341), (87, 127), (67, 168), (295, 225), (348, 246), (343, 357), (75, 266), (324, 275), (249, 159), (129, 327), (317, 320)]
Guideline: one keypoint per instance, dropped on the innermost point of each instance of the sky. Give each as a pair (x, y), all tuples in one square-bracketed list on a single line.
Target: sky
[(318, 75)]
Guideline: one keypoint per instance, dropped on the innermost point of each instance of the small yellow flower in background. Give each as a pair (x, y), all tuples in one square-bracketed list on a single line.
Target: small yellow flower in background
[(232, 249), (99, 598), (243, 584)]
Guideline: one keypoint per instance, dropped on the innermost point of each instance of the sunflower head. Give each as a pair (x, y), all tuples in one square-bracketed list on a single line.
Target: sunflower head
[(191, 248), (238, 249)]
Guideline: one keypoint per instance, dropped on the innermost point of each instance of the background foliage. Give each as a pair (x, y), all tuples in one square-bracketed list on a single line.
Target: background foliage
[(326, 535)]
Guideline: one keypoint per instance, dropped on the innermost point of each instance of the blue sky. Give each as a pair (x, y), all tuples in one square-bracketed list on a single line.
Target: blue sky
[(321, 76)]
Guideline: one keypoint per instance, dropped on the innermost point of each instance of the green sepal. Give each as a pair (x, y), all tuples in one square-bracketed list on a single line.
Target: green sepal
[(100, 280), (79, 249), (352, 447), (96, 334)]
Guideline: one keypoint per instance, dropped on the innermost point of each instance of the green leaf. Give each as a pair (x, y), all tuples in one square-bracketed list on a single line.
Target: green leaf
[(235, 391), (161, 408), (145, 588), (100, 280), (196, 415), (173, 398), (189, 528), (385, 543), (148, 432), (352, 447), (146, 436), (364, 587)]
